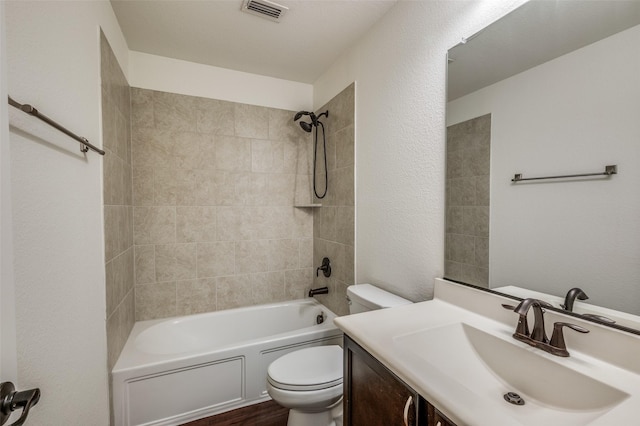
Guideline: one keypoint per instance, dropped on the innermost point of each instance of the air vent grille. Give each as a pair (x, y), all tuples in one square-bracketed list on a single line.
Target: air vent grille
[(265, 8)]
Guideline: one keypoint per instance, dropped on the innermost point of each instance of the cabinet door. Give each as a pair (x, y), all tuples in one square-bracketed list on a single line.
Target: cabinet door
[(373, 394), (436, 418)]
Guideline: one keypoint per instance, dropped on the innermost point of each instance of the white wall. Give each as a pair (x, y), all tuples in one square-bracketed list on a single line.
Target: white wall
[(53, 63), (187, 78), (574, 114), (8, 358), (400, 73)]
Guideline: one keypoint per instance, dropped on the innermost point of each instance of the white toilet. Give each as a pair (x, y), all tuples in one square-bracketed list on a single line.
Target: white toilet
[(309, 381)]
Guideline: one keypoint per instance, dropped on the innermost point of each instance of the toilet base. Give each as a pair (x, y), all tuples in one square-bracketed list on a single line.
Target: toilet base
[(332, 416)]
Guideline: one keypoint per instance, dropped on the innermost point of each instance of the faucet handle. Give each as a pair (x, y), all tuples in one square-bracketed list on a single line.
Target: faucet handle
[(523, 326), (557, 338)]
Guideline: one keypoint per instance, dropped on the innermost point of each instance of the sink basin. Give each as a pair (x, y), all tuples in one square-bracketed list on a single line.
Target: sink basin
[(489, 366)]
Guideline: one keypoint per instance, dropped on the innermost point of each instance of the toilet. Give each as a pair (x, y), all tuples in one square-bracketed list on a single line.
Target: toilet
[(309, 381)]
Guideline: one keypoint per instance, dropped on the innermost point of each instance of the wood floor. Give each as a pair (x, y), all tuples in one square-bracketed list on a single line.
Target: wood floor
[(264, 414)]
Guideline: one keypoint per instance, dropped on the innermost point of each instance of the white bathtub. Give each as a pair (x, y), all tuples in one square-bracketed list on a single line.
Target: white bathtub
[(172, 371)]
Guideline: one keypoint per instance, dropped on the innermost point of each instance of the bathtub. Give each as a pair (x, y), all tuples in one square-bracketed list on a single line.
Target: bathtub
[(172, 371)]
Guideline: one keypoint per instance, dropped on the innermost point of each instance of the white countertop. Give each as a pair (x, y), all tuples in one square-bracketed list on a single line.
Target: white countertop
[(617, 365)]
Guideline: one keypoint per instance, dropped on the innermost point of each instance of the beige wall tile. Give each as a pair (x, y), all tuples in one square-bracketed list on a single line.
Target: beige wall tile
[(232, 154), (109, 135), (269, 157), (280, 190), (174, 112), (234, 291), (122, 136), (252, 256), (461, 248), (298, 282), (454, 220), (154, 225), (164, 187), (302, 226), (143, 186), (236, 223), (482, 252), (302, 190), (175, 262), (196, 296), (282, 127), (325, 223), (141, 108), (215, 259), (345, 225), (193, 150), (145, 264), (215, 117), (344, 186), (305, 252), (344, 141), (196, 224), (267, 287), (251, 121), (119, 279), (152, 148), (186, 187), (155, 301), (117, 230)]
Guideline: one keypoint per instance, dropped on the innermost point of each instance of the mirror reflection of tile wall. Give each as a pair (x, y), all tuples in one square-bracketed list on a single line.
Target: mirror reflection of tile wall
[(467, 192)]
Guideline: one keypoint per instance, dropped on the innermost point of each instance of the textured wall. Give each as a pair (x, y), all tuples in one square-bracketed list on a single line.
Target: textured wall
[(399, 68), (53, 54), (214, 184), (467, 201), (333, 226)]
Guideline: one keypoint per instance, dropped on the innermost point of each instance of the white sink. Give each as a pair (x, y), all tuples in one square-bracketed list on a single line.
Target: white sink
[(491, 365)]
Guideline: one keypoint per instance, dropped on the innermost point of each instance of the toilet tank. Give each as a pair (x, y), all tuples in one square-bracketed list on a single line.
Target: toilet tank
[(367, 297)]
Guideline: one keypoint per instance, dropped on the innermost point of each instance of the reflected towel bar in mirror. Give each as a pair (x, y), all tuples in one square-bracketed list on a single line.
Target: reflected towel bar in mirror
[(28, 109), (608, 171)]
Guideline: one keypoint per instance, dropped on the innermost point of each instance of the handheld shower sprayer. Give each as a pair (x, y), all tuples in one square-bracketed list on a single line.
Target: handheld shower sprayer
[(307, 127)]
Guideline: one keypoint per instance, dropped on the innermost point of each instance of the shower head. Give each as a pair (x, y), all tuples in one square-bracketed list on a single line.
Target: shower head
[(314, 120), (300, 114), (306, 126)]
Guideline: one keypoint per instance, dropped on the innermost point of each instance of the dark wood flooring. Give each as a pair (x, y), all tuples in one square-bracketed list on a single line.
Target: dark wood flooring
[(264, 414)]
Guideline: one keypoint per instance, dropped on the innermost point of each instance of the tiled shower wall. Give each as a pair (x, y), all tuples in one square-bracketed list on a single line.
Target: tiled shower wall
[(118, 210), (214, 185), (333, 226), (467, 229)]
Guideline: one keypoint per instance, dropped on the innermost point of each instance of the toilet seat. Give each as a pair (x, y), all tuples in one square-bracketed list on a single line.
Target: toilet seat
[(315, 368)]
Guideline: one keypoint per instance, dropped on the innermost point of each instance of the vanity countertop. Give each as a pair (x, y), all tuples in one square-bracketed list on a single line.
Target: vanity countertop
[(390, 334)]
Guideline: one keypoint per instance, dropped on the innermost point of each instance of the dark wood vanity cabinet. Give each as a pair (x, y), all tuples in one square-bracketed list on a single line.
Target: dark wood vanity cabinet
[(373, 395)]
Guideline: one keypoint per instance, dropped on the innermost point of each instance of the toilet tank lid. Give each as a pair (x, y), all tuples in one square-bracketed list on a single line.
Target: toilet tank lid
[(372, 296)]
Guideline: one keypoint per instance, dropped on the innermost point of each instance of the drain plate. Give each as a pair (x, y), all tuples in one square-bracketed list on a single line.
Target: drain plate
[(513, 398)]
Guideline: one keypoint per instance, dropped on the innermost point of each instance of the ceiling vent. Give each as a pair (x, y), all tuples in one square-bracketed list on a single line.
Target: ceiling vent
[(265, 9)]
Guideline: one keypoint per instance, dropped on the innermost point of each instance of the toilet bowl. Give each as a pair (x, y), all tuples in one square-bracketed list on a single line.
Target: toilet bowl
[(309, 381)]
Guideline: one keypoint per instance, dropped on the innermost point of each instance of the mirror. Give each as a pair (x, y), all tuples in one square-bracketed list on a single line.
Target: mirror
[(552, 89)]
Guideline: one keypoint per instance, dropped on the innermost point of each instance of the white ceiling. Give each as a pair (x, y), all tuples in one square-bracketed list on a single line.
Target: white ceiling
[(309, 38)]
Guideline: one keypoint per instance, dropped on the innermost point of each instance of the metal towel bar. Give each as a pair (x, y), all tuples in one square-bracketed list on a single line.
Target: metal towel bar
[(28, 109), (608, 171)]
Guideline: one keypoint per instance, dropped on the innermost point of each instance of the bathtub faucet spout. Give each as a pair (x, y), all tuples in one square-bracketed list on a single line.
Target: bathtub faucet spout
[(320, 290)]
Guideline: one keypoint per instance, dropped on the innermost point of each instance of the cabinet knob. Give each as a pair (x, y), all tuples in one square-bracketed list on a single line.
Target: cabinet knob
[(406, 410)]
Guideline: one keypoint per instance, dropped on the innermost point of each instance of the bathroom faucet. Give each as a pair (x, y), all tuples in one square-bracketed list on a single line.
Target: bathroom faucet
[(571, 296), (538, 334), (538, 338), (320, 290)]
